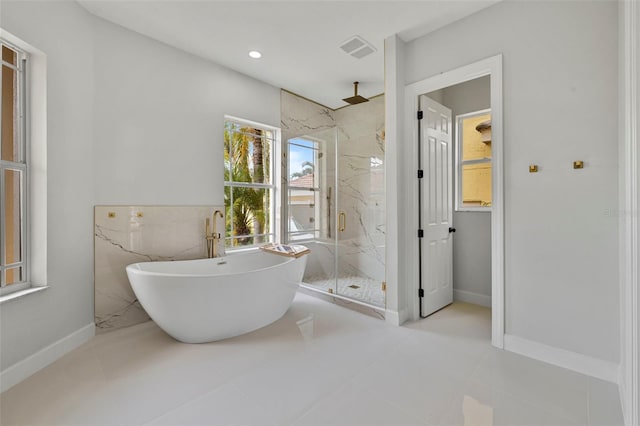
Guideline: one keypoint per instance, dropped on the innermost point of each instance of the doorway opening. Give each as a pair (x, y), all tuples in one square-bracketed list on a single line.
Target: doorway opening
[(457, 134), (457, 119)]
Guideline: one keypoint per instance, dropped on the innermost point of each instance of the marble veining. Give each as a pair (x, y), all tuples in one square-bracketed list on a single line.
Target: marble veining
[(130, 234)]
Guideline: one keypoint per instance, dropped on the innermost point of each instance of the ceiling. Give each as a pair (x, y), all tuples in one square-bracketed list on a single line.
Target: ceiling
[(299, 39)]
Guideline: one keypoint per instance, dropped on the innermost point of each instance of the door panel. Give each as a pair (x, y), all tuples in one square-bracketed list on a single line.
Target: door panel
[(437, 206)]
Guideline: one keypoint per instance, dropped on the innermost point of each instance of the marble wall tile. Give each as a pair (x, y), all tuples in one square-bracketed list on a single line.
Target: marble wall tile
[(131, 234), (362, 189)]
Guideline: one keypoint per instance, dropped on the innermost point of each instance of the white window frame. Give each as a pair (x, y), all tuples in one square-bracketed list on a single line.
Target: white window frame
[(22, 166), (273, 187), (316, 189), (459, 207)]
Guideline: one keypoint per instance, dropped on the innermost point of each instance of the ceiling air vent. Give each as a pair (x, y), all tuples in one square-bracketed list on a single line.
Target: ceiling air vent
[(357, 47)]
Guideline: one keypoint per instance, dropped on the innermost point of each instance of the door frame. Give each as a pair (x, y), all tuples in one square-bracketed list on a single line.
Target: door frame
[(491, 66)]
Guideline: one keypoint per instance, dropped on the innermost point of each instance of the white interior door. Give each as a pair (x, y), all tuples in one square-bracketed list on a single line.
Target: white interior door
[(437, 206)]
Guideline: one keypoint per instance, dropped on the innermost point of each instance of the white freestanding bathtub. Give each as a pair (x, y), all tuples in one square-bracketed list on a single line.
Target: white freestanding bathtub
[(197, 301)]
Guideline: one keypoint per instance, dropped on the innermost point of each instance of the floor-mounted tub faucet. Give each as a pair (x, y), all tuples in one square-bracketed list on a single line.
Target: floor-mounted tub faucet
[(214, 236)]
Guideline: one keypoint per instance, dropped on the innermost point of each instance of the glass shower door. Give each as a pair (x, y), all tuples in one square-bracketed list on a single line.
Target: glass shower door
[(360, 251), (311, 204), (335, 202)]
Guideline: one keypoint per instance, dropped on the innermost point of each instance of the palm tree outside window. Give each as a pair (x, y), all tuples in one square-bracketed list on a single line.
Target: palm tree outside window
[(249, 183)]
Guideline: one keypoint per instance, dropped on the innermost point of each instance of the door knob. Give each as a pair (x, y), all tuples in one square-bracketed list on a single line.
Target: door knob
[(452, 230)]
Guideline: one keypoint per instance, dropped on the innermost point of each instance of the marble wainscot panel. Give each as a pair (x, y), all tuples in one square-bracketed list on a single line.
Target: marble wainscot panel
[(131, 234)]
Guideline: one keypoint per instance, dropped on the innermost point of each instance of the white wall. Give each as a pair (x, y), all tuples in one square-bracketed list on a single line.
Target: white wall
[(63, 32), (396, 193), (130, 120), (560, 105), (159, 120)]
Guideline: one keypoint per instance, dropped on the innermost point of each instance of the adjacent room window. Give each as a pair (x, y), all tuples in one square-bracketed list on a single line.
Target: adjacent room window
[(13, 171), (304, 157), (249, 191), (473, 165)]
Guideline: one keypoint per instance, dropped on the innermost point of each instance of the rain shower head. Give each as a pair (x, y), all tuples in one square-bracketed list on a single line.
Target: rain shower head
[(355, 99)]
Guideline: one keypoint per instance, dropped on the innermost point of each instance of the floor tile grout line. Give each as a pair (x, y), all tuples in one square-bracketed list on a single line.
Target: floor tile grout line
[(318, 402), (228, 381), (463, 382), (522, 400), (350, 379)]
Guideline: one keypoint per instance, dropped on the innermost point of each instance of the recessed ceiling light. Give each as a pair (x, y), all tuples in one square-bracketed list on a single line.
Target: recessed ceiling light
[(255, 54)]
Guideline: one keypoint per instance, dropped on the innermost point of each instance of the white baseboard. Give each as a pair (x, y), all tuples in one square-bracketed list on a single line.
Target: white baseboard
[(574, 361), (474, 298), (395, 317), (33, 363)]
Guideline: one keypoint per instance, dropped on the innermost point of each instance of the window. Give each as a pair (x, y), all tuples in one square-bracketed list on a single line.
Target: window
[(249, 191), (473, 165), (13, 171), (304, 170)]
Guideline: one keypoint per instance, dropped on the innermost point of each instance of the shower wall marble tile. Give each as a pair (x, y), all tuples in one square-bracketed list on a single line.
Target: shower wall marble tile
[(130, 234), (361, 175)]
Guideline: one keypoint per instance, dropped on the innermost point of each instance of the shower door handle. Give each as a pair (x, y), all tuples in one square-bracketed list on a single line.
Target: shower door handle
[(342, 221)]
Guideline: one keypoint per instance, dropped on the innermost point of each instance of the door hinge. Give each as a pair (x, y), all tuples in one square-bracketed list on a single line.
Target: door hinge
[(420, 233), (421, 292), (384, 286), (420, 115), (420, 174), (452, 229)]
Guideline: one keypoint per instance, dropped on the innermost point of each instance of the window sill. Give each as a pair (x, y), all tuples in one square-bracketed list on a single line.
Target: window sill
[(240, 250), (21, 293), (474, 209)]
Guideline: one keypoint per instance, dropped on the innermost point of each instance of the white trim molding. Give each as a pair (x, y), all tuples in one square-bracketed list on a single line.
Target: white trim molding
[(32, 364), (491, 66), (630, 207), (573, 361), (471, 297)]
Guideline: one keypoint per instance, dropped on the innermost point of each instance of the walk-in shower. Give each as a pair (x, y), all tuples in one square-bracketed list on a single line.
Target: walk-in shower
[(336, 206)]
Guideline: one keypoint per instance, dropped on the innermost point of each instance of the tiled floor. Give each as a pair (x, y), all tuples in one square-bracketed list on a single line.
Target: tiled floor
[(355, 287), (353, 370)]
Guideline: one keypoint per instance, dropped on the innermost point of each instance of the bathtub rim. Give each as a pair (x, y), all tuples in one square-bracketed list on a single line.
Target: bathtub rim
[(132, 267)]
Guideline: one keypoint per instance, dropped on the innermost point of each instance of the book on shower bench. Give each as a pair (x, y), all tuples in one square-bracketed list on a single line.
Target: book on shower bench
[(289, 250)]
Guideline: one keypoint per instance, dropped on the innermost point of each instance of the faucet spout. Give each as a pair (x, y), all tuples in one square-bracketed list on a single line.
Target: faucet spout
[(214, 236)]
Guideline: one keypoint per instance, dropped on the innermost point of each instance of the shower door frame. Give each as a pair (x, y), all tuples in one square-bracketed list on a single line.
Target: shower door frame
[(335, 209)]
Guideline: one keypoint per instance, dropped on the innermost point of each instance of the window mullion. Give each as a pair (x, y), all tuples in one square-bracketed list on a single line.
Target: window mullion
[(25, 214), (250, 185), (2, 230), (475, 161)]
